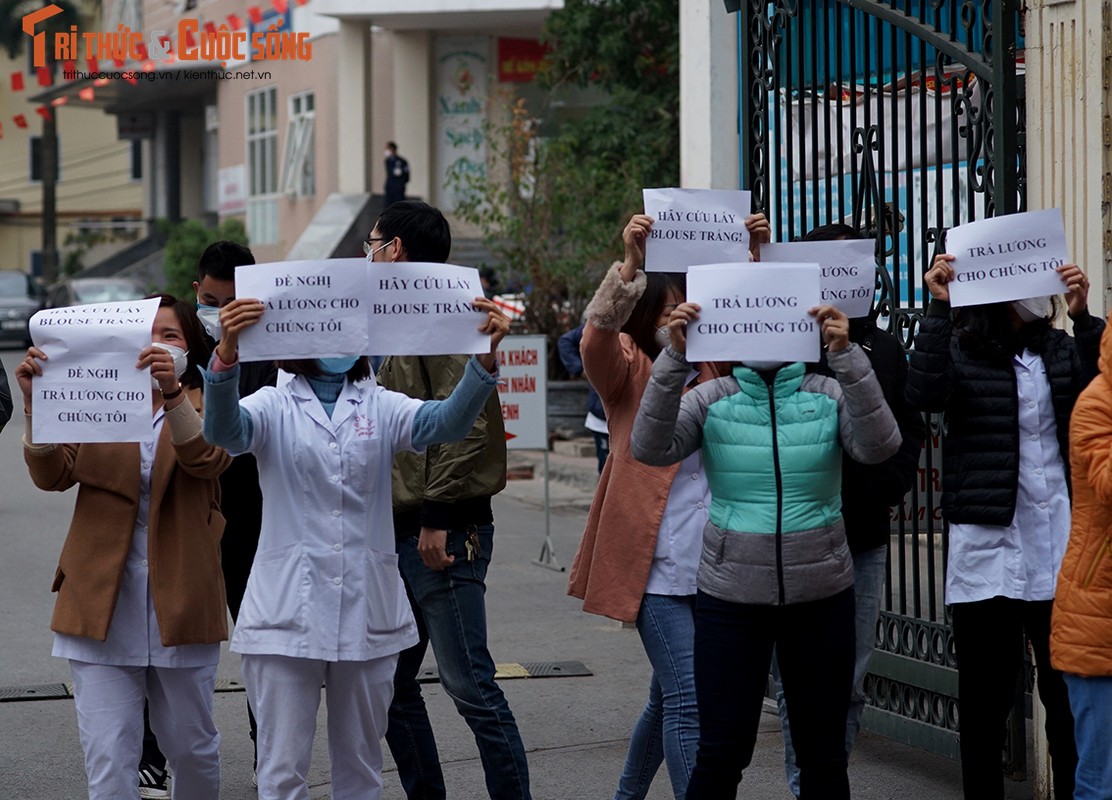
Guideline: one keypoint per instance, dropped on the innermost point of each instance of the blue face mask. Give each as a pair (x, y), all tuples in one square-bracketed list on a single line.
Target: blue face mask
[(337, 366)]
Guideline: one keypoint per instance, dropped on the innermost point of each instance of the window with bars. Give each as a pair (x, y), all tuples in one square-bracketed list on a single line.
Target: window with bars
[(262, 165), (298, 164)]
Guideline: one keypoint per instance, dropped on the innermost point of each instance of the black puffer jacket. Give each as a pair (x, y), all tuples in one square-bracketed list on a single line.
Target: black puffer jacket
[(870, 490), (980, 443)]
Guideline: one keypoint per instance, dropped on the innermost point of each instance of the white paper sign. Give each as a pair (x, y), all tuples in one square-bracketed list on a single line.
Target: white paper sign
[(848, 270), (314, 309), (90, 390), (753, 311), (420, 309), (523, 365), (695, 226), (1007, 258)]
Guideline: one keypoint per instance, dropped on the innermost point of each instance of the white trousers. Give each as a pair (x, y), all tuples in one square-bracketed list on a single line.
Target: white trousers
[(285, 695), (109, 702)]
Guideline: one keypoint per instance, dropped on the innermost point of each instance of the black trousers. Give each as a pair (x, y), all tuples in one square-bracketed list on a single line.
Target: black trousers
[(733, 652), (988, 639)]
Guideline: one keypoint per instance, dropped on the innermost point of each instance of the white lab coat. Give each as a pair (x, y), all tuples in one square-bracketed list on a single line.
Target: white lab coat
[(325, 582)]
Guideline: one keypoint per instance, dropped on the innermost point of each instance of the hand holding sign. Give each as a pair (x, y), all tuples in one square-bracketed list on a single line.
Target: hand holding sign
[(26, 372), (677, 325), (1077, 288), (634, 236), (236, 317), (1014, 257), (834, 325), (496, 324)]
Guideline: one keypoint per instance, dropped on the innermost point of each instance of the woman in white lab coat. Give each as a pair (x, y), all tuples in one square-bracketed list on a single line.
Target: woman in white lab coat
[(325, 602)]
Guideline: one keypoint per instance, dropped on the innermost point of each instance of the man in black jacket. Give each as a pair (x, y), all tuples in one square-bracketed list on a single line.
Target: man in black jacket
[(5, 398), (868, 494)]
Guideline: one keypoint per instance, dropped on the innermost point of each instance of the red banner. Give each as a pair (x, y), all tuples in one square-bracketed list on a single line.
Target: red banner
[(519, 59)]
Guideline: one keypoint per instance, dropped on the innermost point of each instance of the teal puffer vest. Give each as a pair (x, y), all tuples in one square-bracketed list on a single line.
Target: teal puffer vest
[(774, 463)]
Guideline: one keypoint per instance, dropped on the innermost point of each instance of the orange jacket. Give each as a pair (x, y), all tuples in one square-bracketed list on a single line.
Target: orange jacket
[(1081, 627), (611, 566)]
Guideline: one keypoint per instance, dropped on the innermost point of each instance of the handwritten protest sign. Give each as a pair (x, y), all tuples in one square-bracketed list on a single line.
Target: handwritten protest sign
[(753, 311), (90, 390), (420, 309), (847, 276), (1007, 258), (695, 226), (314, 309)]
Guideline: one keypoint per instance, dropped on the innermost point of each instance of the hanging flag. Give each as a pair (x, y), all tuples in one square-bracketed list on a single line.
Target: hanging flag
[(256, 14), (281, 6), (92, 64), (44, 76), (141, 49), (20, 121), (302, 2), (118, 62), (17, 81), (235, 22), (44, 112), (69, 67), (210, 28), (86, 94), (190, 42)]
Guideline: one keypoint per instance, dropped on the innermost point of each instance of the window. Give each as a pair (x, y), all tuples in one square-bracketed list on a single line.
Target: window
[(262, 166), (298, 176), (36, 160), (137, 159)]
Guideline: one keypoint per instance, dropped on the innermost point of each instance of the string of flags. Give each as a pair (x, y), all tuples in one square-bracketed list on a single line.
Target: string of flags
[(45, 79)]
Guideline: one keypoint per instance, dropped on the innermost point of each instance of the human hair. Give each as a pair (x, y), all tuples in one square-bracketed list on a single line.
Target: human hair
[(198, 350), (832, 232), (641, 325), (309, 367), (220, 260), (424, 232), (392, 146), (987, 331)]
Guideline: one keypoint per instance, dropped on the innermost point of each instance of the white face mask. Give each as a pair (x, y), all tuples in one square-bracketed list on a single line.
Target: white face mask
[(762, 365), (210, 320), (1032, 308), (661, 337), (180, 361), (387, 153)]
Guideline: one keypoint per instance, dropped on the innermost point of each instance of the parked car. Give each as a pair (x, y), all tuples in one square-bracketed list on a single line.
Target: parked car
[(78, 291), (20, 298)]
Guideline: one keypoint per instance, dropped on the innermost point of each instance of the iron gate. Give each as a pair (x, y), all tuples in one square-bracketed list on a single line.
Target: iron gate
[(902, 118)]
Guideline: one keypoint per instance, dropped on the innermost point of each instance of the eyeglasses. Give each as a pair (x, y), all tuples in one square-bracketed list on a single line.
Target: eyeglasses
[(368, 247)]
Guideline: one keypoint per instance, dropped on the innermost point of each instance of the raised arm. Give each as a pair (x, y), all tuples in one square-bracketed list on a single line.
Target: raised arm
[(867, 428), (452, 419)]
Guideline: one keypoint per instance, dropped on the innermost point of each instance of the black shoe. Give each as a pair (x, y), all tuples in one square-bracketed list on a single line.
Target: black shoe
[(153, 782)]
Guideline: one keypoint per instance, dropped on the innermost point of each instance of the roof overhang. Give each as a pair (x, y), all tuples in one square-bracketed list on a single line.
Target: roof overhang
[(162, 87), (443, 15)]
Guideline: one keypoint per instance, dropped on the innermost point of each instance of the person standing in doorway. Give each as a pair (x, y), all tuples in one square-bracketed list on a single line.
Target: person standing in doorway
[(445, 534), (397, 175)]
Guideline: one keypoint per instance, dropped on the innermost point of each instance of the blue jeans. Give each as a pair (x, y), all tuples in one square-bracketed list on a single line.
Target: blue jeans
[(452, 608), (868, 588), (668, 728), (1091, 701)]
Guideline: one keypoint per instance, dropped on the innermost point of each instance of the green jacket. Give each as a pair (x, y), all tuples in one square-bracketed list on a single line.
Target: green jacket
[(449, 485)]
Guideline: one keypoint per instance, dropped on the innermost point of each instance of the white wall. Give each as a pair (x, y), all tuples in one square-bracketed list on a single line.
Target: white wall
[(709, 140)]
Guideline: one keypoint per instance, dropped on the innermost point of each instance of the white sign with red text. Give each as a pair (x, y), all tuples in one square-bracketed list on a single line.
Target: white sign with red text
[(522, 390)]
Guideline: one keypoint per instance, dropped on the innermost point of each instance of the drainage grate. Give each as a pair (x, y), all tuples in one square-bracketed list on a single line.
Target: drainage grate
[(47, 691)]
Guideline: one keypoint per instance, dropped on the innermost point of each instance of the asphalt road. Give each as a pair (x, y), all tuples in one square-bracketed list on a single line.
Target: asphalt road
[(575, 729)]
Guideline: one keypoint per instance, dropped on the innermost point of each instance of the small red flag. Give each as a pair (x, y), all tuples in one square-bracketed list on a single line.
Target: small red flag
[(235, 22), (92, 64), (210, 27), (86, 94), (17, 81), (117, 62), (256, 14), (44, 112), (141, 49), (190, 42), (70, 67), (44, 76), (20, 121), (281, 6), (1, 131), (302, 2)]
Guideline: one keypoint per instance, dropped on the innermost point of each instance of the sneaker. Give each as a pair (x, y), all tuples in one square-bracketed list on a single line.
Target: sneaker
[(153, 782)]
